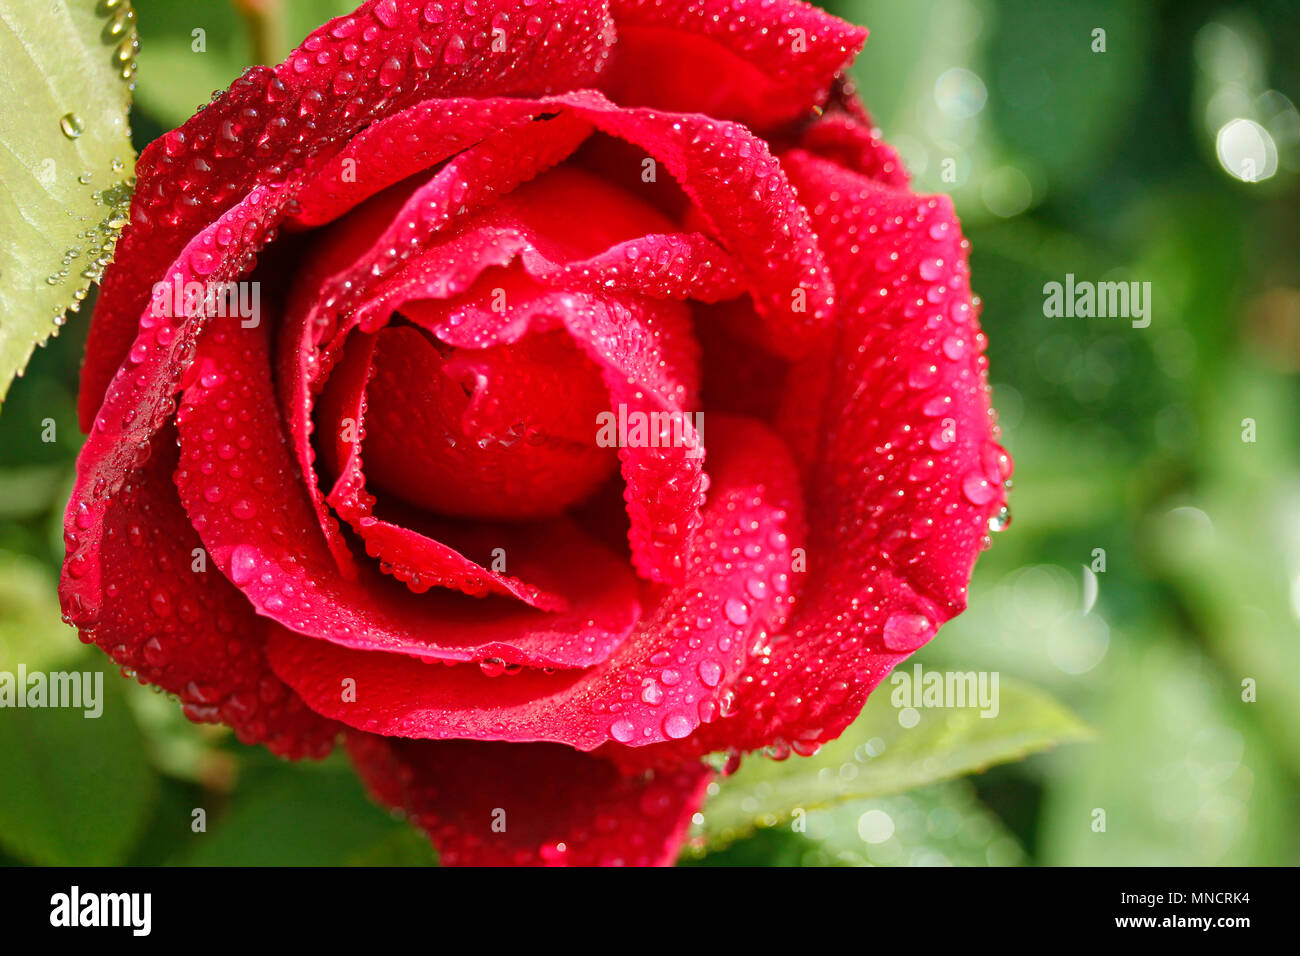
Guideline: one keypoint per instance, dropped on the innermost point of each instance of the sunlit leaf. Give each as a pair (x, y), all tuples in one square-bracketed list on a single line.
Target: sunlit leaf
[(65, 160), (940, 825), (878, 756)]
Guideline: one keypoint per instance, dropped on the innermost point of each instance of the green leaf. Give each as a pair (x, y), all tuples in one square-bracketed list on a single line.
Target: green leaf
[(302, 816), (77, 791), (65, 160), (878, 756), (941, 825)]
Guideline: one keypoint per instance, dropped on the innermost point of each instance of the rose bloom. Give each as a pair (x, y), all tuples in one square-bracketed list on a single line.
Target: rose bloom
[(594, 398)]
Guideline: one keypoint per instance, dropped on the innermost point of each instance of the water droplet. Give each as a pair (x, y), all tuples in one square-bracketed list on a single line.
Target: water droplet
[(710, 673), (677, 726), (1001, 520), (930, 269), (243, 564), (71, 124), (978, 489), (453, 54), (736, 611), (906, 632)]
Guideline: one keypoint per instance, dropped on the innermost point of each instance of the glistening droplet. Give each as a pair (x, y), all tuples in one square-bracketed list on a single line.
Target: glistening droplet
[(72, 125)]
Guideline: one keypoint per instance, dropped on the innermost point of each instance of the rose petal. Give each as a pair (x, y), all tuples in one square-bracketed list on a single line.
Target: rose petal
[(630, 342), (644, 349), (742, 193), (499, 804), (257, 523), (759, 63), (888, 558), (406, 143), (499, 434), (738, 187), (675, 672), (141, 399)]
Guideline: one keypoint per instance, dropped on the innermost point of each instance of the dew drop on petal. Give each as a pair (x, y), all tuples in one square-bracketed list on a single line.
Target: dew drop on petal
[(906, 632)]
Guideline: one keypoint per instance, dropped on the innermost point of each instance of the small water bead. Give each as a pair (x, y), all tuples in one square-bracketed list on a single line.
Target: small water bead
[(386, 13), (736, 611), (622, 730), (453, 54), (806, 748), (391, 71), (72, 125), (978, 489), (1001, 520), (243, 564), (905, 632), (677, 726)]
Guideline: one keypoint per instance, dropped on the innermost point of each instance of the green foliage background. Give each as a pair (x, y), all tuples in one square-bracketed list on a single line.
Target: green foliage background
[(1127, 440)]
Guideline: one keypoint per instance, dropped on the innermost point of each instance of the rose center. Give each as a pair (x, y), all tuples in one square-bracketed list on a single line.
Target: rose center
[(506, 432)]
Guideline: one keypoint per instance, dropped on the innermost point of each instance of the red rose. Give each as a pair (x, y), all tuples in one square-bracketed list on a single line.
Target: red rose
[(499, 266)]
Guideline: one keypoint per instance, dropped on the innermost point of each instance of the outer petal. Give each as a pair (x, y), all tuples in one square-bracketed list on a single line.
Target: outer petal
[(758, 62), (258, 525), (909, 473), (497, 804), (141, 400), (146, 595), (671, 675), (270, 123)]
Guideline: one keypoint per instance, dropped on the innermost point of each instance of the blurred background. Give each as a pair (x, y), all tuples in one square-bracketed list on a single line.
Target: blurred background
[(1149, 583)]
